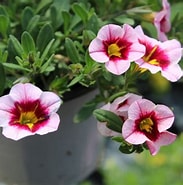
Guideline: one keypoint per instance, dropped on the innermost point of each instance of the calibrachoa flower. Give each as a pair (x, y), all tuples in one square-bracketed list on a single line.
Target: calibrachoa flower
[(120, 107), (162, 21), (148, 123), (161, 56), (116, 46), (27, 110)]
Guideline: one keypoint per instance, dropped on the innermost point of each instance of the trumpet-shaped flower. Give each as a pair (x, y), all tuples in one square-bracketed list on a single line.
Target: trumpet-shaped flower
[(120, 107), (162, 21), (148, 123), (27, 110), (161, 56), (116, 46)]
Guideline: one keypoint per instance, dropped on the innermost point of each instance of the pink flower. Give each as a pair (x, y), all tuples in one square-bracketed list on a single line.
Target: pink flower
[(116, 46), (162, 21), (27, 110), (120, 107), (161, 56), (148, 123)]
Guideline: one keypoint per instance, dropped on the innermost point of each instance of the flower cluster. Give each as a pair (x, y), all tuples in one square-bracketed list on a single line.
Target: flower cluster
[(142, 123)]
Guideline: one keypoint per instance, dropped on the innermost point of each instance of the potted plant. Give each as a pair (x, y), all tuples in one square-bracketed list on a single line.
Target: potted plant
[(60, 60)]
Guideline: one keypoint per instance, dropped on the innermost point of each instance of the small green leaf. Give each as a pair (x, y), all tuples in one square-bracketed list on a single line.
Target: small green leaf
[(16, 45), (44, 4), (67, 19), (46, 66), (80, 11), (45, 35), (71, 50), (27, 15), (75, 80), (118, 139), (33, 23), (27, 43), (3, 79), (4, 25), (113, 121), (47, 49), (15, 66), (126, 148), (85, 112)]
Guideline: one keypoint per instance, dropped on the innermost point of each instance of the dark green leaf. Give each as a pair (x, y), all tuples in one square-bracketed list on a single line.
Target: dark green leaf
[(126, 148), (46, 66), (71, 50), (27, 15), (113, 121), (75, 80), (3, 79), (33, 23), (47, 49), (16, 45), (4, 25), (80, 11), (15, 66), (85, 112), (45, 35), (66, 19), (27, 43), (44, 4)]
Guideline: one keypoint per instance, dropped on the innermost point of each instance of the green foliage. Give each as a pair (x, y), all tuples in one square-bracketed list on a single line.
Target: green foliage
[(112, 120)]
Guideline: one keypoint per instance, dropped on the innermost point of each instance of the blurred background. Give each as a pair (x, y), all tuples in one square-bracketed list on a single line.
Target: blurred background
[(166, 168)]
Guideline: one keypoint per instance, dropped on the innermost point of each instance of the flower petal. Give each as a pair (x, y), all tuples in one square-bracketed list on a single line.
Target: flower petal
[(26, 91), (172, 72), (110, 32), (165, 138), (164, 116), (97, 51), (51, 101), (51, 125), (139, 108), (131, 135), (16, 133), (118, 66)]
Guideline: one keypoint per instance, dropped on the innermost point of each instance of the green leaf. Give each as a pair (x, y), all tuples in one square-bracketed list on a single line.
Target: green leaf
[(44, 4), (80, 11), (117, 138), (4, 25), (67, 19), (47, 49), (46, 66), (88, 35), (27, 43), (126, 148), (71, 50), (27, 15), (15, 66), (33, 23), (45, 35), (113, 121), (16, 45), (3, 79), (85, 112), (75, 80), (3, 56)]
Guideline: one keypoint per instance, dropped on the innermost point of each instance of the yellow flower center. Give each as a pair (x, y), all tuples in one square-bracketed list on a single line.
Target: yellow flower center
[(28, 118), (146, 124), (114, 50), (148, 57)]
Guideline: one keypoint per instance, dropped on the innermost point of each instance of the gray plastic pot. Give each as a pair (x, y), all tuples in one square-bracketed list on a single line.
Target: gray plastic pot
[(63, 157)]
